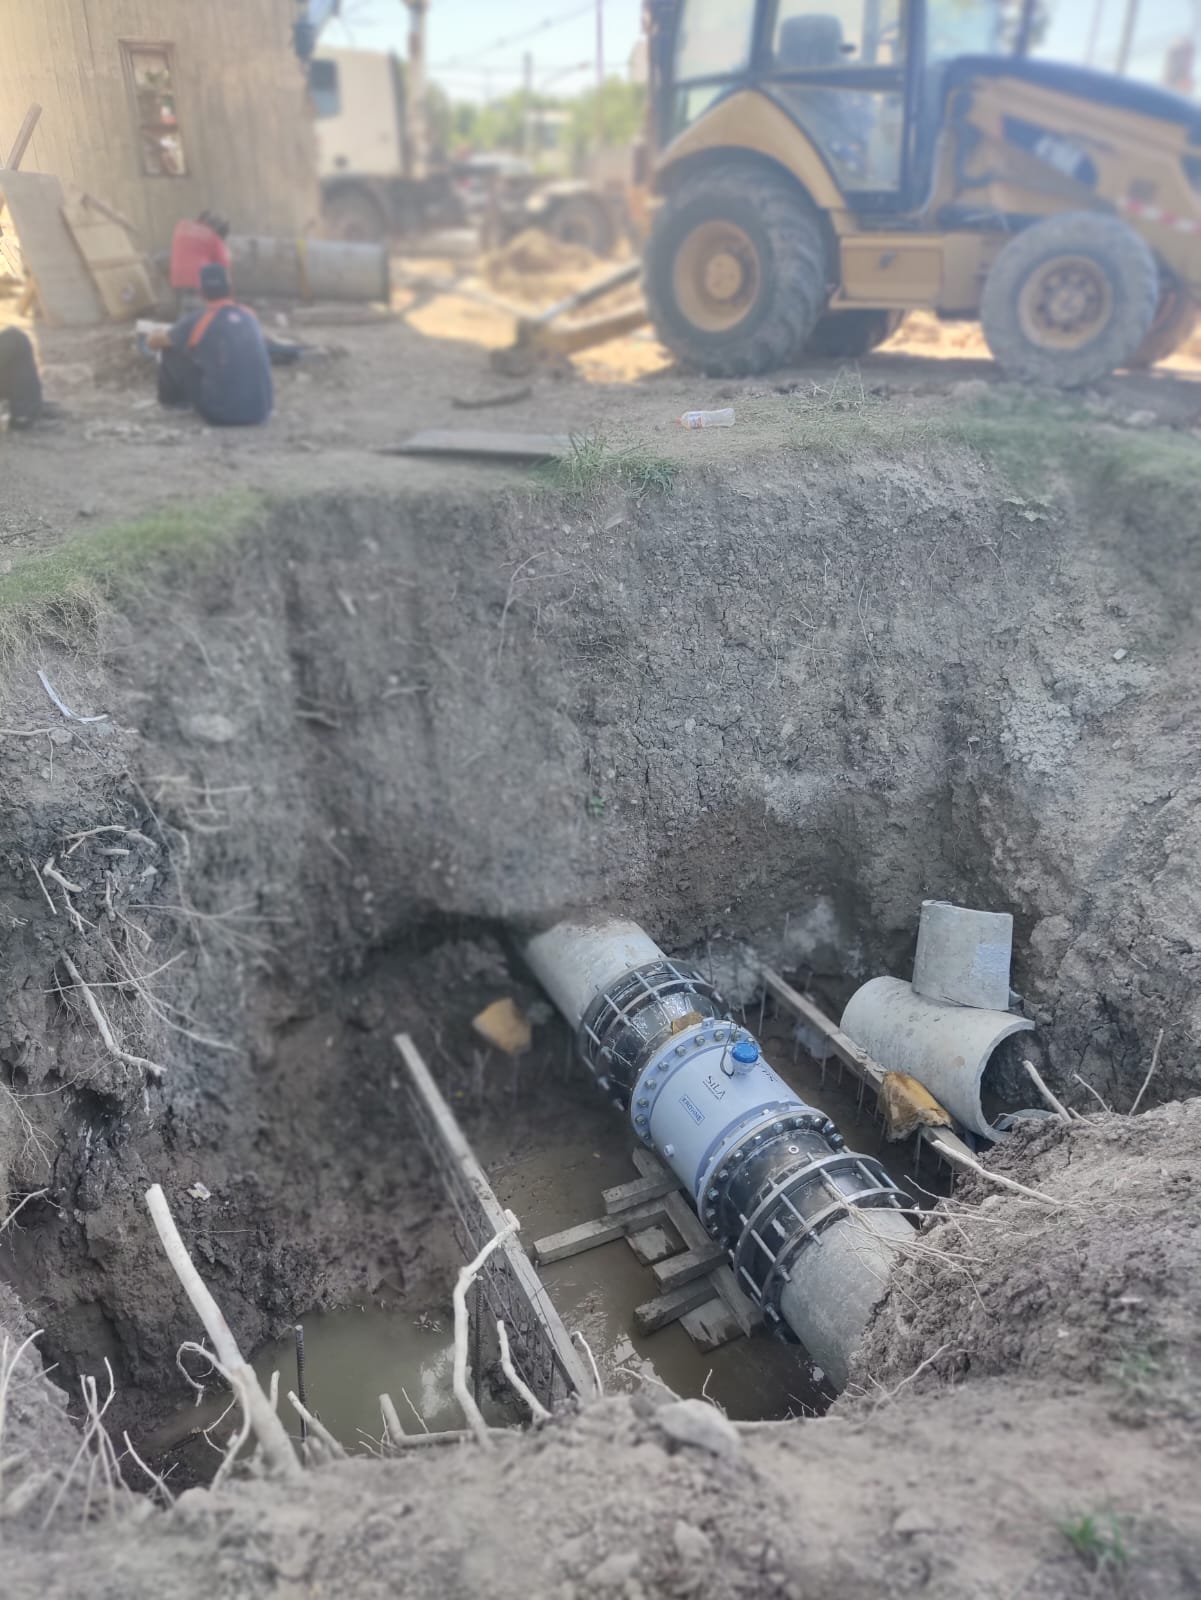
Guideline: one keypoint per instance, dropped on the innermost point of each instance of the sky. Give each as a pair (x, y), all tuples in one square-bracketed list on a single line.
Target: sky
[(473, 52)]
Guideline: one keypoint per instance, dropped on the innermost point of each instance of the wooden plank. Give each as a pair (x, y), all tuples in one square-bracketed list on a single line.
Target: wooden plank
[(24, 135), (686, 1266), (633, 1194), (864, 1066), (688, 1224), (653, 1244), (118, 268), (483, 444), (455, 1148), (670, 1307), (602, 1230), (711, 1325), (843, 1046), (65, 289)]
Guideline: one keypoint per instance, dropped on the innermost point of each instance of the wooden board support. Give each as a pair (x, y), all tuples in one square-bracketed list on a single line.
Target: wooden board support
[(745, 1312), (655, 1244), (686, 1266), (670, 1307), (865, 1067), (640, 1190), (588, 1235), (711, 1325)]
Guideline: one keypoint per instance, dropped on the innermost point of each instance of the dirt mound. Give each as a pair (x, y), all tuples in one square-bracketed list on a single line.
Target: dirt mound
[(533, 251), (1103, 1285), (536, 266), (991, 1490)]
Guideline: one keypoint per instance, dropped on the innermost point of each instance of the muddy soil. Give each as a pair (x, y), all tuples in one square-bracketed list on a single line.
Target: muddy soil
[(971, 1465), (776, 708)]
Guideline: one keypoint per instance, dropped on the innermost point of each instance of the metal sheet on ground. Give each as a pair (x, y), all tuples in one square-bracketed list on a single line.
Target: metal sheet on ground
[(483, 445)]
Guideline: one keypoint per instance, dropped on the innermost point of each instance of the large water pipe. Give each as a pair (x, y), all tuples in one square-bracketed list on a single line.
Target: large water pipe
[(811, 1228)]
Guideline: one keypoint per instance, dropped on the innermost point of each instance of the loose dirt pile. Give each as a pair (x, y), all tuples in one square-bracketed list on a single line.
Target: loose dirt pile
[(535, 266), (777, 708)]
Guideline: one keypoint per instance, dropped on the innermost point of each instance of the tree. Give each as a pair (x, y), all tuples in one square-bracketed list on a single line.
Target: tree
[(611, 115)]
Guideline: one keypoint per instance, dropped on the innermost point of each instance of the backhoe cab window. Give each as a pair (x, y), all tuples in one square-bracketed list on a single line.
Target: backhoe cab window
[(837, 35), (820, 54), (713, 38), (962, 28)]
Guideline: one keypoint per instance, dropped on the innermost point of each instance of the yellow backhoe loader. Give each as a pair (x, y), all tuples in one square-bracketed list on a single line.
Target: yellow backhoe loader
[(817, 170)]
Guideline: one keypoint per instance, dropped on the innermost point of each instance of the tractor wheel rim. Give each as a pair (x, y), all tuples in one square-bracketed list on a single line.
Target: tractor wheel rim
[(1065, 303), (716, 275)]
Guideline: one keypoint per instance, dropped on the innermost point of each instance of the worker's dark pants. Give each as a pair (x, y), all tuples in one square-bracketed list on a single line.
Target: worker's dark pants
[(178, 378), (20, 385)]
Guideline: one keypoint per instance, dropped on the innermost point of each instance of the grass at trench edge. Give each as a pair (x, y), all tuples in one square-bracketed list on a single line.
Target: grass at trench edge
[(59, 591)]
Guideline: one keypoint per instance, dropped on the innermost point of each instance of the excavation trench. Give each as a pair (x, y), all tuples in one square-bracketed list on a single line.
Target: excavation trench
[(370, 737)]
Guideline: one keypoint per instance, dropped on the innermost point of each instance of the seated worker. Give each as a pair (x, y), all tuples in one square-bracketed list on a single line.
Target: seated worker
[(216, 359), (20, 385), (195, 244)]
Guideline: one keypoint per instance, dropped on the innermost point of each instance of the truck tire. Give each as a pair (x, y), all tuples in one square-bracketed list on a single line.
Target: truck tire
[(583, 222), (355, 216), (1175, 319), (1070, 299), (852, 333), (736, 270)]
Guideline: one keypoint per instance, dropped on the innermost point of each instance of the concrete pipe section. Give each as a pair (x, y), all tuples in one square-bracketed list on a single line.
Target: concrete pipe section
[(811, 1228), (945, 1047), (309, 269)]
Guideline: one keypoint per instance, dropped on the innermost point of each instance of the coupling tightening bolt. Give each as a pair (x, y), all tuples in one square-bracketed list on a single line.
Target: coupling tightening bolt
[(644, 1101), (724, 1173), (641, 1121), (713, 1194)]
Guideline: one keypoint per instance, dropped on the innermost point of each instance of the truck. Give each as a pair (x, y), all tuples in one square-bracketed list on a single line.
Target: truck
[(376, 186)]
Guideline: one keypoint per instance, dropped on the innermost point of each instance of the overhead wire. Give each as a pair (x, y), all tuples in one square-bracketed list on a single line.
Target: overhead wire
[(506, 40)]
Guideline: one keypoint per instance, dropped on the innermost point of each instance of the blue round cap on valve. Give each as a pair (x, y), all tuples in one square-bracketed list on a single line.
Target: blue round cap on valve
[(746, 1052)]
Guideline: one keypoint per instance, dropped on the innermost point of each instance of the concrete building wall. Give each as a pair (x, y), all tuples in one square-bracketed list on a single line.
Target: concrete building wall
[(240, 106)]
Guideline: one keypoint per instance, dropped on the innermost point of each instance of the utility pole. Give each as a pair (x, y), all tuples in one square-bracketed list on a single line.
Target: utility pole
[(416, 142), (600, 73), (1094, 30), (1128, 25), (527, 120)]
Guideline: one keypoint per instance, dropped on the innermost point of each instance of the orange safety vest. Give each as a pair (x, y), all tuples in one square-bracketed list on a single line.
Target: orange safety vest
[(206, 319)]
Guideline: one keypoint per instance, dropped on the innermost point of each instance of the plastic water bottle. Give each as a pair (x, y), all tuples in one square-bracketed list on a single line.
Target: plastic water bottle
[(708, 419)]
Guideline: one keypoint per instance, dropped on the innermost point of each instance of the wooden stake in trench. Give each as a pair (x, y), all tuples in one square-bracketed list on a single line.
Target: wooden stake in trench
[(274, 1444)]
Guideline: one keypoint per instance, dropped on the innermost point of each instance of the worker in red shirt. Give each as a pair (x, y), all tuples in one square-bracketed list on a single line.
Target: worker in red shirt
[(195, 244)]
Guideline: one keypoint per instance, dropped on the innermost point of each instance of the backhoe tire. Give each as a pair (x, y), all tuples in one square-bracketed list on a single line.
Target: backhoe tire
[(1175, 318), (736, 270), (1070, 299), (851, 333)]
